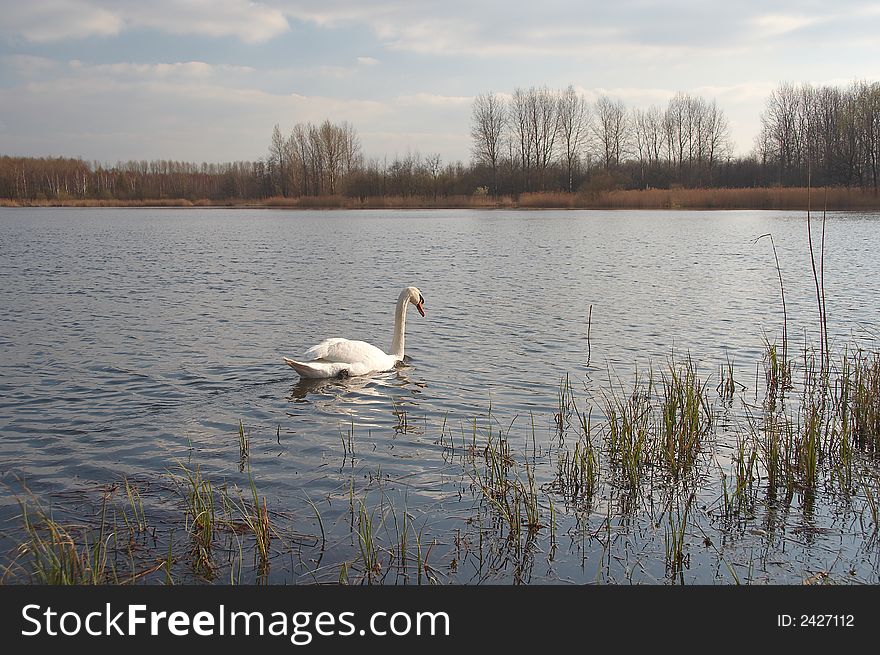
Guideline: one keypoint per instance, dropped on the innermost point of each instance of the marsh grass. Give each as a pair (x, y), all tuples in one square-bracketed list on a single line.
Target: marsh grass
[(201, 517), (137, 522), (837, 198), (727, 386), (385, 540), (629, 413), (400, 414), (718, 198), (507, 484), (510, 489), (870, 485), (863, 400), (578, 469), (563, 415), (347, 438), (255, 516), (58, 554), (367, 543), (659, 422), (740, 496), (685, 417), (244, 445), (777, 371), (676, 539)]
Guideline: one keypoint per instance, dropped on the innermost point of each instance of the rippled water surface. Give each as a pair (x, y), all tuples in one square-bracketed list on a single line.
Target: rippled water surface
[(131, 340)]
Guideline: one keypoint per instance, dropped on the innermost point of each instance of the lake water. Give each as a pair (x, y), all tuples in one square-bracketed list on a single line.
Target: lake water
[(136, 340)]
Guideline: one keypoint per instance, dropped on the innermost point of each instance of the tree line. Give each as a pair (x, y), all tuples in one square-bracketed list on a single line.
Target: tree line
[(827, 134), (64, 178), (538, 140), (534, 139)]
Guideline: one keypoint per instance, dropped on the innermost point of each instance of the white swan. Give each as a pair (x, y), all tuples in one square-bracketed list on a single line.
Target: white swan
[(345, 358)]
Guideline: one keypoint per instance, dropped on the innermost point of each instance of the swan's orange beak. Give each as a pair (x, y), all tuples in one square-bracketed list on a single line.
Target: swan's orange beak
[(419, 306)]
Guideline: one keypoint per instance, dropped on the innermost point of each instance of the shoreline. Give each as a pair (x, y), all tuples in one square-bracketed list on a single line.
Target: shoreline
[(760, 198)]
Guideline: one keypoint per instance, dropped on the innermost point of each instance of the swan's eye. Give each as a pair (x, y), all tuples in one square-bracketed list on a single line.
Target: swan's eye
[(421, 300)]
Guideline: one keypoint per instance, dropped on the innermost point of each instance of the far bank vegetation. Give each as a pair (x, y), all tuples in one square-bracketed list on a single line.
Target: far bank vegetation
[(533, 147)]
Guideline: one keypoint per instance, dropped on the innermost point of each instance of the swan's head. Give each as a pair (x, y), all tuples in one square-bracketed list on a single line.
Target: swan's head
[(415, 297)]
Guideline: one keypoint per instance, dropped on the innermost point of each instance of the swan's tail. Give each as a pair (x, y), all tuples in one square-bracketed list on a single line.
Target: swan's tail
[(315, 369)]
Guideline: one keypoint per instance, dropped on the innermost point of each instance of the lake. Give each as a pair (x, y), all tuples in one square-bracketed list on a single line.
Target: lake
[(139, 346)]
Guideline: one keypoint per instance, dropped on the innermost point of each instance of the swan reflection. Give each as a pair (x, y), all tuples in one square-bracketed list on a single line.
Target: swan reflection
[(371, 401)]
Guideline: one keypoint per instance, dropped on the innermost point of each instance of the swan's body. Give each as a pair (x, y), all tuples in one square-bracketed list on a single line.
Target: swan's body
[(346, 358)]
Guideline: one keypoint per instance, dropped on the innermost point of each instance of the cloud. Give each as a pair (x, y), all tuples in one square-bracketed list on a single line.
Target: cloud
[(493, 28), (432, 99), (57, 20), (53, 20), (182, 70), (745, 92), (771, 25), (27, 66), (189, 111), (252, 22), (338, 72), (497, 28)]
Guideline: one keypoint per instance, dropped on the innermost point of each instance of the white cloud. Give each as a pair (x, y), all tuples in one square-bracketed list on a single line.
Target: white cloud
[(432, 99), (252, 22), (27, 65), (745, 92), (184, 70), (188, 110), (55, 20), (771, 25)]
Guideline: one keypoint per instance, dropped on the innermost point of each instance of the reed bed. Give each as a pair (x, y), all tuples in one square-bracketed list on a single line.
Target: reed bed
[(791, 198), (661, 421), (797, 198)]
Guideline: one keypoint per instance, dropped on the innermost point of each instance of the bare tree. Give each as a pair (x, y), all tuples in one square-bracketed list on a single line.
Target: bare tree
[(543, 123), (868, 104), (780, 123), (574, 125), (611, 130), (715, 135), (520, 141), (488, 120), (648, 137), (299, 148), (278, 160)]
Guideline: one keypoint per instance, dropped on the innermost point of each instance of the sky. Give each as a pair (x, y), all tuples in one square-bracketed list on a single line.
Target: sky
[(206, 80)]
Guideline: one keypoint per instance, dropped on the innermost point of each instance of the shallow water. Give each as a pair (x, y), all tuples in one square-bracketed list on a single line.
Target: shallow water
[(131, 340)]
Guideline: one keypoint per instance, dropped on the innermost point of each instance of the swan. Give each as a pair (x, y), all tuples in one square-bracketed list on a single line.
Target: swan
[(342, 358)]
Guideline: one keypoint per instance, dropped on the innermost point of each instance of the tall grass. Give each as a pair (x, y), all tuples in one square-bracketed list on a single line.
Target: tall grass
[(863, 400), (201, 518), (56, 554), (837, 198), (661, 421), (577, 476), (685, 416), (706, 198), (629, 428)]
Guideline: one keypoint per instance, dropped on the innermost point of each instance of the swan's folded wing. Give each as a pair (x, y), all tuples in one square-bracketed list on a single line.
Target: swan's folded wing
[(344, 351), (321, 350), (316, 369)]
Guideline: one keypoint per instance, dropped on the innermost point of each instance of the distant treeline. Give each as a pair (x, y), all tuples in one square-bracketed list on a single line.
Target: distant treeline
[(534, 141), (32, 179)]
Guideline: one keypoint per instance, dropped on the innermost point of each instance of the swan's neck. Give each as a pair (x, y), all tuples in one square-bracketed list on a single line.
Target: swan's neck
[(399, 327)]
